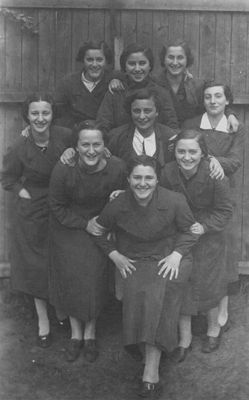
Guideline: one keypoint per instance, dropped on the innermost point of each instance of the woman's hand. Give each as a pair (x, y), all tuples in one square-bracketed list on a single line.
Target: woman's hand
[(123, 263), (115, 86), (170, 265), (115, 194), (94, 228), (197, 228), (107, 152), (216, 170), (232, 123), (26, 131), (67, 157), (24, 194)]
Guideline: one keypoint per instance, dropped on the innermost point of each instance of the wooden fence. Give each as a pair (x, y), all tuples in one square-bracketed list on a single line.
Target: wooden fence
[(36, 52)]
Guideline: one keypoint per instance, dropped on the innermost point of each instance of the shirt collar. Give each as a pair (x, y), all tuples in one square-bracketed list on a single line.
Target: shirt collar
[(222, 125), (90, 85), (141, 139)]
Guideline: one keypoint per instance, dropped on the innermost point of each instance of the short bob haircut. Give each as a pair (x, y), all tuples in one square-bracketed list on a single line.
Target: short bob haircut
[(88, 124), (34, 97), (142, 94), (227, 91), (136, 48), (95, 46), (193, 134), (144, 160), (177, 43)]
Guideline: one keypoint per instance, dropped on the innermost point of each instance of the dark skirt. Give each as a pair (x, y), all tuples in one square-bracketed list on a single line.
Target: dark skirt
[(78, 279), (151, 305)]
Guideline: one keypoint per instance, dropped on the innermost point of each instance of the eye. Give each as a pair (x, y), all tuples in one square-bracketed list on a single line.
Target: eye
[(99, 59), (136, 110)]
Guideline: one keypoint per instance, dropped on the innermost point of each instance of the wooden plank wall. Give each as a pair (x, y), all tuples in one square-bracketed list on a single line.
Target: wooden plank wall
[(27, 62)]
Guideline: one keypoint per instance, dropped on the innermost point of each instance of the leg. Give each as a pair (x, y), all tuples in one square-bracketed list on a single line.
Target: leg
[(151, 388), (212, 340), (90, 328), (43, 322), (180, 353), (75, 343), (90, 346), (76, 328), (223, 311)]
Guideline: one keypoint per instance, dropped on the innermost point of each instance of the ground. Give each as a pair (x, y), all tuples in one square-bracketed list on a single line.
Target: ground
[(30, 373)]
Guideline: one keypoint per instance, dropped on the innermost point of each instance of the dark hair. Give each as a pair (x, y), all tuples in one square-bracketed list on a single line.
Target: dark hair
[(193, 134), (227, 91), (136, 48), (142, 94), (95, 46), (89, 124), (37, 96), (144, 160), (177, 43)]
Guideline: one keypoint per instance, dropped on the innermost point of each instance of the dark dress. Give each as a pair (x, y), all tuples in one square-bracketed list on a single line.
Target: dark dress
[(112, 112), (78, 276), (26, 166), (209, 200), (151, 304)]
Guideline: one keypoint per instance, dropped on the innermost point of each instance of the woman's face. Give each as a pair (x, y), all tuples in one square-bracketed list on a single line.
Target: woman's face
[(188, 155), (143, 182), (40, 116), (137, 67), (175, 60), (215, 101), (90, 147), (94, 64), (144, 114)]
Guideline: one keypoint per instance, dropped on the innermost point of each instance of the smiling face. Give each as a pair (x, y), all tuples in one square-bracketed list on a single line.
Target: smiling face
[(137, 67), (215, 101), (143, 182), (94, 64), (188, 155), (144, 114), (40, 116), (90, 147), (175, 61)]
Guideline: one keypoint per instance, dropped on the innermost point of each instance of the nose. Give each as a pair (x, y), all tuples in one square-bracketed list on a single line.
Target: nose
[(142, 115), (142, 182), (174, 61), (94, 63), (91, 149), (212, 99), (137, 67), (40, 117), (187, 156)]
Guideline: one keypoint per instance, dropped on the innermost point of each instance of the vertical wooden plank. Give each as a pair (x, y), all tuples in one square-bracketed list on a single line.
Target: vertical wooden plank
[(239, 53), (2, 52), (47, 49), (30, 55), (207, 45), (13, 54), (176, 25), (245, 204), (63, 44), (128, 26), (2, 194), (223, 47), (79, 34), (192, 36), (160, 36), (144, 28), (96, 25)]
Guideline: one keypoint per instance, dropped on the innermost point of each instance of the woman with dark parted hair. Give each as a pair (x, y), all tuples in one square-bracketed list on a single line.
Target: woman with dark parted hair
[(136, 63), (80, 94), (186, 92), (78, 278), (209, 200), (152, 255), (27, 167)]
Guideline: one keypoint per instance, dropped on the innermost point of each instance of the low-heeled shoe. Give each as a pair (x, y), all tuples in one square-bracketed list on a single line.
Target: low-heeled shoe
[(180, 353), (150, 390), (225, 327), (73, 349), (210, 344), (90, 350), (44, 341)]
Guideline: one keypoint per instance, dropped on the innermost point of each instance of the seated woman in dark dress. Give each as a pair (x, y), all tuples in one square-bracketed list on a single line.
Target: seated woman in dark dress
[(27, 167), (209, 200), (78, 276), (152, 254)]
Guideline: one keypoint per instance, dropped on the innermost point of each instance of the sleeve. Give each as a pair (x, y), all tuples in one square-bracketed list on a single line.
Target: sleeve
[(105, 115), (184, 219), (107, 219), (234, 157), (60, 200), (167, 114), (12, 170), (221, 211)]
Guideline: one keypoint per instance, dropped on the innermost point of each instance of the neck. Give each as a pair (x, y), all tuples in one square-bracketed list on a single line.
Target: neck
[(189, 173), (214, 119), (143, 202), (146, 133), (40, 138), (174, 79), (92, 169)]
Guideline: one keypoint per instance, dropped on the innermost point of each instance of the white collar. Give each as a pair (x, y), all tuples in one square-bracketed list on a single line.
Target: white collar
[(222, 125), (141, 143), (90, 85)]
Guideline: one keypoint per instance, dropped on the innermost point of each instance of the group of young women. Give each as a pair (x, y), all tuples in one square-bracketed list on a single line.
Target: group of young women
[(142, 178)]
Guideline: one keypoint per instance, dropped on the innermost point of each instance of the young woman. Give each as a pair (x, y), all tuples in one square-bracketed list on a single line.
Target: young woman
[(27, 167), (209, 200), (78, 276), (152, 227)]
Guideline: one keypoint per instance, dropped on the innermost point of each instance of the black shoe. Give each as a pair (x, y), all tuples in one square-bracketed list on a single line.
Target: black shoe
[(150, 390), (44, 341), (90, 350), (210, 344), (180, 353), (73, 349)]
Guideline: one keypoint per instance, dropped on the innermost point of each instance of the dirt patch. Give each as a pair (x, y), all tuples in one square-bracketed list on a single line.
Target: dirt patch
[(30, 373)]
